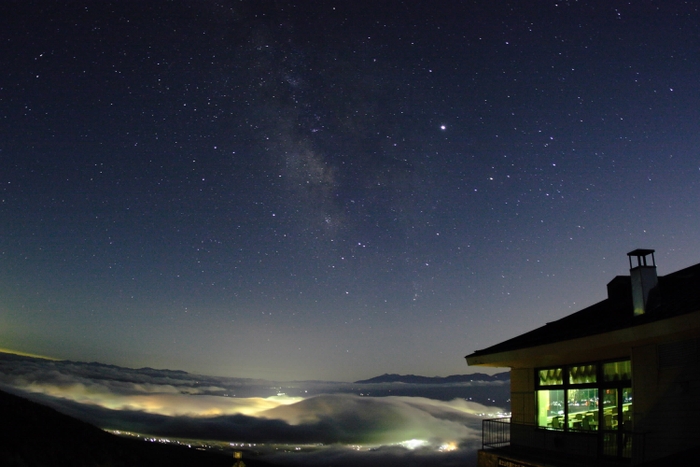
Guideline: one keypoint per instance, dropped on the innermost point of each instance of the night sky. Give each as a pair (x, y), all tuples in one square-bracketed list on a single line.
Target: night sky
[(334, 190)]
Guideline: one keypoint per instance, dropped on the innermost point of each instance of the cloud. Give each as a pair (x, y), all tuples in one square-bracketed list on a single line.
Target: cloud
[(92, 379), (333, 417), (369, 420)]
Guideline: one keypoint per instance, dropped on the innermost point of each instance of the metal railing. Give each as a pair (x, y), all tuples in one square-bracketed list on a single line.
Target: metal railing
[(495, 433), (501, 432)]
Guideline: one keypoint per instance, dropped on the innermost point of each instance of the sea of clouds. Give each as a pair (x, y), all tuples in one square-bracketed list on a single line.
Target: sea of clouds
[(289, 423)]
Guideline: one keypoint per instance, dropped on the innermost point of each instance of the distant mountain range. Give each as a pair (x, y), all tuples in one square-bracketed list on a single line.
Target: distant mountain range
[(478, 387), (413, 379), (19, 371)]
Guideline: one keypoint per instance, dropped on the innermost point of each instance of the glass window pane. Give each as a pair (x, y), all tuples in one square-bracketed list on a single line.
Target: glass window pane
[(617, 371), (627, 420), (583, 409), (550, 409), (610, 409), (551, 376), (626, 423), (582, 374)]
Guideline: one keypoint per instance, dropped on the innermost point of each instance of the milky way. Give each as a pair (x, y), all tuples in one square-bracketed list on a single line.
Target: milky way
[(294, 191)]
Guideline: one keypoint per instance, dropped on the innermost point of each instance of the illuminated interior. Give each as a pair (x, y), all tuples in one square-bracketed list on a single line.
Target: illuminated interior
[(589, 397)]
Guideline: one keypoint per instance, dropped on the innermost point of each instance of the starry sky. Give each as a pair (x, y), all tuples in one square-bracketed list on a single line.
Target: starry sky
[(334, 190)]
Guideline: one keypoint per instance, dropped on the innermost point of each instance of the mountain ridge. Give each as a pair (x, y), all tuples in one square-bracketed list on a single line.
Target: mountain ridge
[(35, 435), (417, 379)]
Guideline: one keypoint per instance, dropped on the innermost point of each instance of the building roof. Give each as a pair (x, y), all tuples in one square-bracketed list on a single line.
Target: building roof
[(678, 294)]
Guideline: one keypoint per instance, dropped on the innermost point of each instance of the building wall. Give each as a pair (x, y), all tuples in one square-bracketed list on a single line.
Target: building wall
[(522, 395), (522, 405), (665, 359), (667, 396), (501, 459), (645, 380)]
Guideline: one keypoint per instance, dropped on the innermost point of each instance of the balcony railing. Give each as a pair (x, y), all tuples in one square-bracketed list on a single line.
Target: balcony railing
[(500, 433), (495, 433)]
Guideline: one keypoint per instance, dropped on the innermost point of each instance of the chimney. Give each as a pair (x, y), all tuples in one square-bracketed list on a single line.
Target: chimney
[(644, 280)]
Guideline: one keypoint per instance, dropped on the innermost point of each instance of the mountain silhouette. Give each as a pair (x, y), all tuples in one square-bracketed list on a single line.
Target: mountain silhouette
[(413, 379), (33, 435)]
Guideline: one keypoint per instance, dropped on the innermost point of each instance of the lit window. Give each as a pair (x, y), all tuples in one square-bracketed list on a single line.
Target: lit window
[(585, 397), (551, 377), (617, 371), (583, 374), (582, 405), (550, 405)]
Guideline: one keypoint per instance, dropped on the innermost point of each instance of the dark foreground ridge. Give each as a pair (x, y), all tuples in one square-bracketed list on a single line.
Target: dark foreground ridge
[(33, 435)]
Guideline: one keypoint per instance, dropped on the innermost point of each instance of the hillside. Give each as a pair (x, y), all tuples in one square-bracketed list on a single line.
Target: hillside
[(32, 435)]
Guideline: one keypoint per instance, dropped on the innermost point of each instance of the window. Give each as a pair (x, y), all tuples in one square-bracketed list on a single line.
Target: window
[(585, 397), (617, 371), (583, 409), (551, 408), (583, 374), (551, 377)]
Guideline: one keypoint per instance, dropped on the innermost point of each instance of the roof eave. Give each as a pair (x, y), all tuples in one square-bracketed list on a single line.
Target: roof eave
[(612, 344)]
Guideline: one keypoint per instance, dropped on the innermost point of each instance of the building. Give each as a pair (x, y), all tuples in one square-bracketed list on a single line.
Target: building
[(617, 382)]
